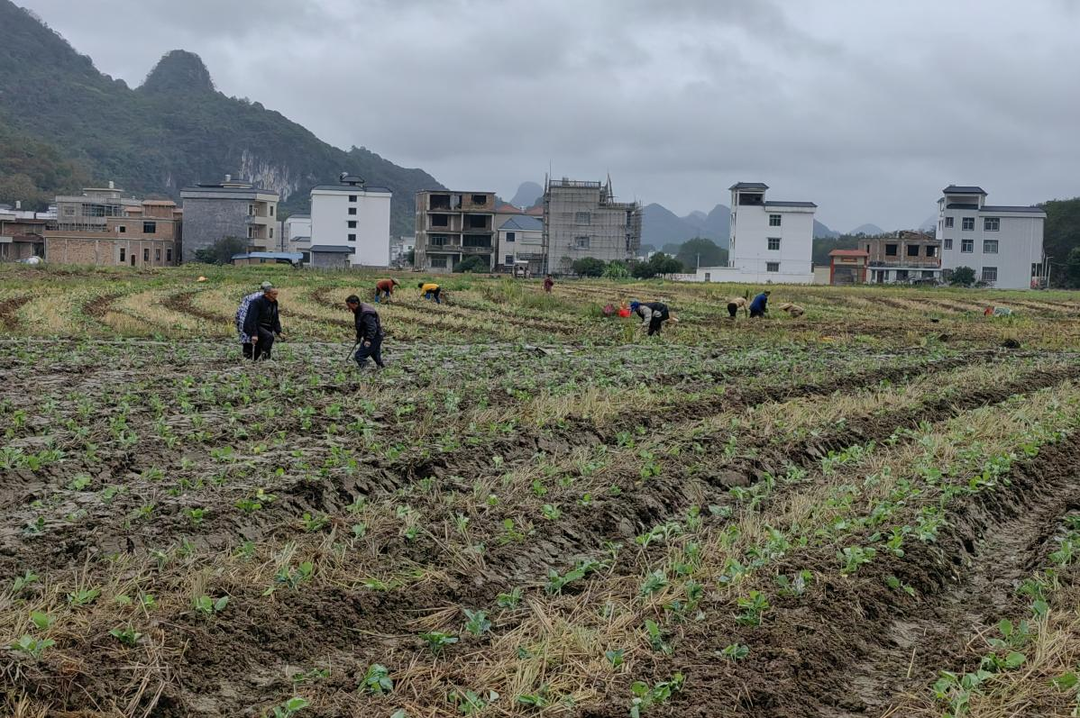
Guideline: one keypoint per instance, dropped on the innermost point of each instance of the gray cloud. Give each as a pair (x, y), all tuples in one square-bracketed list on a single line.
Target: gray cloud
[(867, 108)]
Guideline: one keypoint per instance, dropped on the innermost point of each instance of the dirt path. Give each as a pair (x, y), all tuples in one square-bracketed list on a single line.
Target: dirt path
[(1001, 541)]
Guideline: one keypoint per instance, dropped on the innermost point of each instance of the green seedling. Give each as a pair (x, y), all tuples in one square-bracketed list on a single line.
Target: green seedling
[(656, 637), (289, 708), (509, 600), (476, 622), (656, 581), (377, 680), (207, 607), (794, 585), (535, 700), (1012, 636), (645, 696), (42, 621), (196, 515), (754, 607), (897, 585), (437, 641), (615, 656), (127, 635), (551, 513), (83, 597), (33, 647), (80, 482), (735, 652), (556, 582), (313, 524), (23, 581), (854, 556)]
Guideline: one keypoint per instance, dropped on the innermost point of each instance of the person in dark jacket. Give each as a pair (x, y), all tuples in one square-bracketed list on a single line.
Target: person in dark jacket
[(369, 334), (653, 315), (760, 305), (263, 324)]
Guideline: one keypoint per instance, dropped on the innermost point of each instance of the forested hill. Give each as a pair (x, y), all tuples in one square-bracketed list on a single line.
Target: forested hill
[(173, 131)]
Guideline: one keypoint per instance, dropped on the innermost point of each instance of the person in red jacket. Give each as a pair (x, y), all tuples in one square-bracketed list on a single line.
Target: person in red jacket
[(548, 283), (384, 288)]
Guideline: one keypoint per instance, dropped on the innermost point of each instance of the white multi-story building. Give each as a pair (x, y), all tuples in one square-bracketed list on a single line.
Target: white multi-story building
[(521, 244), (1003, 244), (354, 216), (296, 233), (770, 241)]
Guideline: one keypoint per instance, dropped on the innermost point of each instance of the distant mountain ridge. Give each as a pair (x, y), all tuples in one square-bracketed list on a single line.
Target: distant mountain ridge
[(173, 131), (528, 195)]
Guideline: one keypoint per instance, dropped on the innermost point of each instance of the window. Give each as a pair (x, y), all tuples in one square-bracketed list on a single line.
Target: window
[(990, 246), (157, 255), (708, 276), (149, 227), (774, 244), (251, 233), (948, 222), (967, 246), (352, 198), (947, 243), (168, 255), (510, 237), (476, 241), (913, 250), (352, 211), (251, 210), (352, 224), (477, 221), (271, 233), (989, 274), (892, 250), (968, 225), (146, 254), (437, 262), (439, 240), (931, 250), (582, 218), (123, 229), (480, 199), (437, 201), (351, 237), (271, 210), (901, 274), (772, 266), (774, 220), (581, 242), (122, 255), (991, 224), (440, 220), (509, 259)]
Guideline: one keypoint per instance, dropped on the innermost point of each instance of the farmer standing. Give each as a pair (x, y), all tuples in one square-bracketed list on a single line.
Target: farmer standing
[(369, 334), (263, 324), (653, 315), (548, 283), (430, 291), (241, 318), (384, 288), (760, 305)]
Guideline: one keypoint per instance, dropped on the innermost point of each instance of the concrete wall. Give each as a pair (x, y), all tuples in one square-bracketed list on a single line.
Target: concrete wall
[(329, 260), (207, 221), (72, 248), (739, 276), (330, 220), (1020, 244), (528, 243)]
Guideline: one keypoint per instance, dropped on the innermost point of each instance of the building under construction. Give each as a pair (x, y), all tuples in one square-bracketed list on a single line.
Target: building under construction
[(582, 219)]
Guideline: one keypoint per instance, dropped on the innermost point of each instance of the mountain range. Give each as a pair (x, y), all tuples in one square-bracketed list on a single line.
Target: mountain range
[(173, 131), (661, 226)]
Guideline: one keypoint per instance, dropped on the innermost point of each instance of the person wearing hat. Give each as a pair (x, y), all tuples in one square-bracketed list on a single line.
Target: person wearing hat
[(369, 333), (263, 323), (760, 305), (653, 315), (384, 288), (793, 310), (241, 318)]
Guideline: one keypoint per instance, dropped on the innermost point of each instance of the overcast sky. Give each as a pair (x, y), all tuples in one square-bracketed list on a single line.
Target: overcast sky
[(866, 107)]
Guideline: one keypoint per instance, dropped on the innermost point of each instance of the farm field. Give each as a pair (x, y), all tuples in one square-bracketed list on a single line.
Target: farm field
[(872, 510)]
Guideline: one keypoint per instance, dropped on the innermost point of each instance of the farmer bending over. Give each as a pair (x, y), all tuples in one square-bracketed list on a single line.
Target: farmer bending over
[(384, 288), (263, 324), (759, 306), (793, 310), (653, 315), (430, 291), (369, 334), (734, 305)]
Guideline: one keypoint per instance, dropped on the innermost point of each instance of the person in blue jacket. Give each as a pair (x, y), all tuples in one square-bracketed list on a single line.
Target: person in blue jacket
[(759, 306)]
